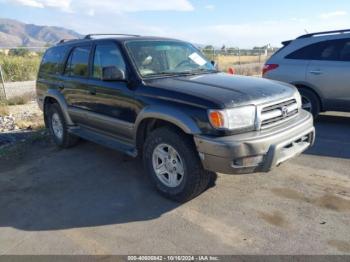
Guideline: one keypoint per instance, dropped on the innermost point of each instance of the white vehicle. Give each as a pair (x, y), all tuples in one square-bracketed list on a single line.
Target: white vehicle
[(318, 64)]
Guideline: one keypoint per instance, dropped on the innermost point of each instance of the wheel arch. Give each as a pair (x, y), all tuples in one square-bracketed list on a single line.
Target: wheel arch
[(151, 118), (54, 96), (301, 85)]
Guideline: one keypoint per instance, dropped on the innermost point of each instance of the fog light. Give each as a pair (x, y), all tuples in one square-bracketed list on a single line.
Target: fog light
[(248, 161)]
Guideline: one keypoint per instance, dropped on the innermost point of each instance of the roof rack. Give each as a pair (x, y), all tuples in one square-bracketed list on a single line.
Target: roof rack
[(325, 33), (67, 40), (89, 36), (285, 43)]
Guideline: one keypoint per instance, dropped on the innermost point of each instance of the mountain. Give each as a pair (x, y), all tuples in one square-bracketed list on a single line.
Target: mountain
[(14, 34)]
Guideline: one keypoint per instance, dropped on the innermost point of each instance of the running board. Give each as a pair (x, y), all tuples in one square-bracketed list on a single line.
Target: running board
[(104, 140)]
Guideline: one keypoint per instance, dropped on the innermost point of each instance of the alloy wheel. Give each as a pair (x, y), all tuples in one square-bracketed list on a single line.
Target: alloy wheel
[(168, 165)]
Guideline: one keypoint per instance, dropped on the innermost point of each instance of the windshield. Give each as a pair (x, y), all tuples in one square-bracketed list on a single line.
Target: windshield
[(153, 58)]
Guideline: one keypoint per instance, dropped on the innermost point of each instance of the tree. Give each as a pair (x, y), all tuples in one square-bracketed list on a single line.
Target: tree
[(19, 52), (208, 47)]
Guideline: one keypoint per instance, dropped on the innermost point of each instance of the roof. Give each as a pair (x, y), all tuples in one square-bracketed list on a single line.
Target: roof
[(324, 33), (319, 36), (117, 37)]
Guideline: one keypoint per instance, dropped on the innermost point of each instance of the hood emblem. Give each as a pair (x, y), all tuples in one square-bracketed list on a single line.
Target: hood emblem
[(285, 112)]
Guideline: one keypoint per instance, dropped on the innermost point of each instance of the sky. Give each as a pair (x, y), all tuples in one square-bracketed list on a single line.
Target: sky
[(235, 23)]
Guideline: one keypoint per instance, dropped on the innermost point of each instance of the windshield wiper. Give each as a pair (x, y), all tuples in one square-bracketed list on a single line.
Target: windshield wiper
[(160, 74), (204, 70), (184, 73)]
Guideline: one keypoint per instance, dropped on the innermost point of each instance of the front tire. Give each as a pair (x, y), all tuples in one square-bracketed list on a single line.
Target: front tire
[(58, 128), (172, 162)]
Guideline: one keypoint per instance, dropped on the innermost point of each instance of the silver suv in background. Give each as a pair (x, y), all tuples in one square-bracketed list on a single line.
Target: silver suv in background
[(318, 64)]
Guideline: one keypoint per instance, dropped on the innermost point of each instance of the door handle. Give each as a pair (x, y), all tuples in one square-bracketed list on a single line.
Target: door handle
[(316, 72), (60, 86), (92, 91)]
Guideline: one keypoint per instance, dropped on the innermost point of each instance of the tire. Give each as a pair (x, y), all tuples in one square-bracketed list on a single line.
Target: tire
[(56, 121), (189, 183), (310, 102)]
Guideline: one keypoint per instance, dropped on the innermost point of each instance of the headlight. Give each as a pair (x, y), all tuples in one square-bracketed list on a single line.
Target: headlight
[(234, 118), (298, 99)]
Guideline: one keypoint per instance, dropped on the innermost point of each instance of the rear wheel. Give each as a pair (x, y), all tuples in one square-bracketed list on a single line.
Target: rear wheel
[(173, 164), (58, 128), (310, 102)]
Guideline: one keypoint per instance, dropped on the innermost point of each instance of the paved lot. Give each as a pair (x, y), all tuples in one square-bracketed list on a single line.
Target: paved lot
[(91, 200)]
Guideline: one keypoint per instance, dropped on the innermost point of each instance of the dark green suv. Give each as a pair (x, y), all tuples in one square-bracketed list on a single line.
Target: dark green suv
[(163, 100)]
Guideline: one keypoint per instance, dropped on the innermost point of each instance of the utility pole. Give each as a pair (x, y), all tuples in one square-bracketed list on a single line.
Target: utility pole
[(2, 87)]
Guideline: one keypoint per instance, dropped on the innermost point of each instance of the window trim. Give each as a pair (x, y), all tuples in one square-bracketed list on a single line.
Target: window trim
[(69, 56), (106, 42)]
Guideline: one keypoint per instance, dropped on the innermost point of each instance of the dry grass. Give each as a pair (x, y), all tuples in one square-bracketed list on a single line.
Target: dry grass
[(231, 59), (249, 70), (19, 68), (32, 124), (226, 61), (4, 110), (20, 100)]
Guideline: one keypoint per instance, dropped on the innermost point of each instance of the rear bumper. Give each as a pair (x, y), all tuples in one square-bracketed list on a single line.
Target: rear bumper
[(266, 148)]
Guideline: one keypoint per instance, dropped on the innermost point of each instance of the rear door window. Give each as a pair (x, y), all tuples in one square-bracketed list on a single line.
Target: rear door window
[(309, 52), (324, 51), (78, 62)]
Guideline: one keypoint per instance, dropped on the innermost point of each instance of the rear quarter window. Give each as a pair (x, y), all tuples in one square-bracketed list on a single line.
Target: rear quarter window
[(52, 61), (78, 62), (324, 51), (309, 52)]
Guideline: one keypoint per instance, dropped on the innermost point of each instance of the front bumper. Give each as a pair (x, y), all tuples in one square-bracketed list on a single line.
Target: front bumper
[(271, 146)]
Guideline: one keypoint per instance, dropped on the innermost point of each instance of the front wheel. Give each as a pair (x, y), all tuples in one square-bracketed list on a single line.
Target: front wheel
[(173, 164), (58, 128), (310, 102)]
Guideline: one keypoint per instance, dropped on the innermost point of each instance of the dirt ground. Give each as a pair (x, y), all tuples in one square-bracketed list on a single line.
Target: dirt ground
[(92, 200), (28, 116)]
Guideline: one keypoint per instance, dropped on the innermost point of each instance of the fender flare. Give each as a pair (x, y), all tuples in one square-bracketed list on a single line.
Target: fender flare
[(55, 94), (169, 114)]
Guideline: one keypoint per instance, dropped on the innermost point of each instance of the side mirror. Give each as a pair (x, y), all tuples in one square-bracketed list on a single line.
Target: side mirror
[(112, 73)]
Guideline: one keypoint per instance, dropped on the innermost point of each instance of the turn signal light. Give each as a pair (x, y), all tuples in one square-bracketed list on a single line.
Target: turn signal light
[(216, 119)]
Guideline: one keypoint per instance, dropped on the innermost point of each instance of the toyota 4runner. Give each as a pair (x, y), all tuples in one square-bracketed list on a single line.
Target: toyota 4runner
[(163, 100)]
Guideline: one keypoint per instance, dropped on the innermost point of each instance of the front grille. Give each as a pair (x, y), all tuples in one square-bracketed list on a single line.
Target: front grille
[(272, 115)]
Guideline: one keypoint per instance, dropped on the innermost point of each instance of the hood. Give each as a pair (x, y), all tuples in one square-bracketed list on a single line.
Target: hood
[(225, 89)]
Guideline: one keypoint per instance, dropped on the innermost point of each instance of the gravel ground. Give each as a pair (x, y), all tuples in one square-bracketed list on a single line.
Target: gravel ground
[(20, 121), (91, 200)]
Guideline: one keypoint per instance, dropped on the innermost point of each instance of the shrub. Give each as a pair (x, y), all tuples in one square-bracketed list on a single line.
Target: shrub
[(19, 68), (19, 52)]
